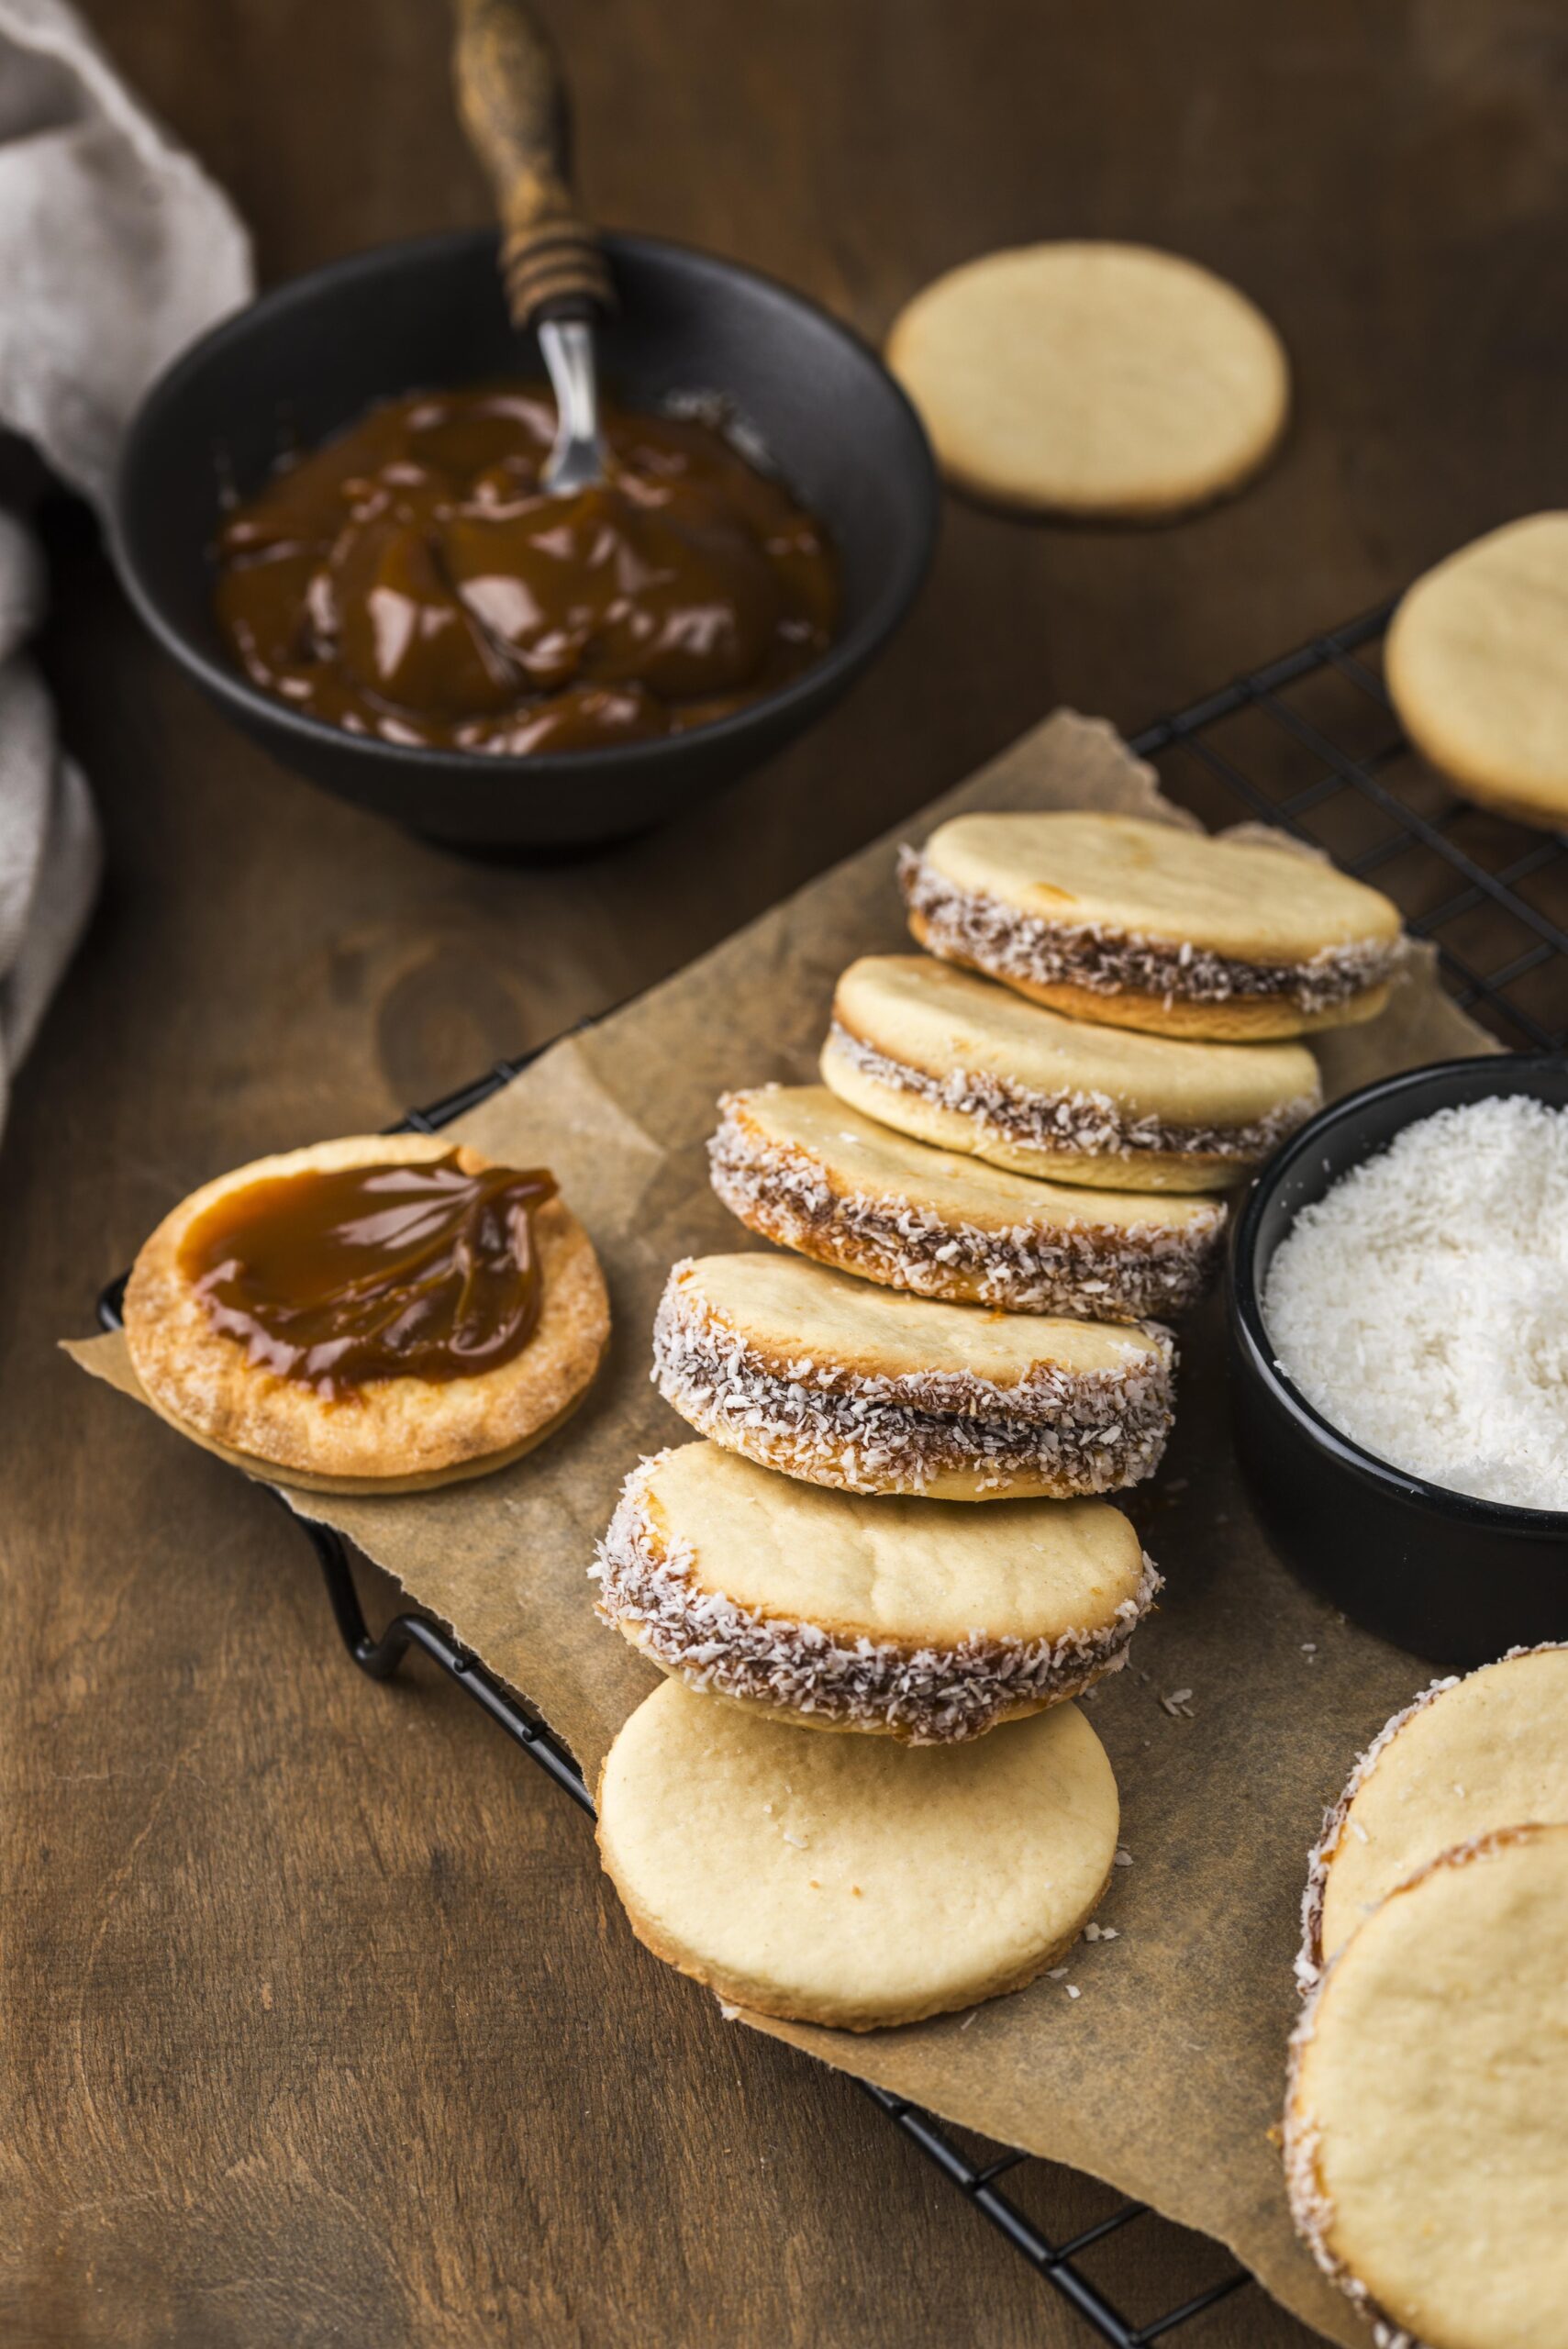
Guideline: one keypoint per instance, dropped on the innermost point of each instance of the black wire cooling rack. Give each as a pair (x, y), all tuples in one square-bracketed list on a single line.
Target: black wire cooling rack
[(1309, 742)]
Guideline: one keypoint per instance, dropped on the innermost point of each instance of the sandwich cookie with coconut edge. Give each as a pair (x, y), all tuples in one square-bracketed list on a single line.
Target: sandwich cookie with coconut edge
[(1150, 926), (1426, 2123), (801, 1167), (920, 1620), (1468, 1757), (871, 1390), (956, 1061)]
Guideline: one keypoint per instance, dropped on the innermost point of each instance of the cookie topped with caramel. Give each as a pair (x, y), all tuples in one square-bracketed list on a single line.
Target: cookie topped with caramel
[(381, 1312)]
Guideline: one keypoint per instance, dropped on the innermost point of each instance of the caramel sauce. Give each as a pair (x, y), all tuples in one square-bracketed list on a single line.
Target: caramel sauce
[(336, 1279), (412, 579)]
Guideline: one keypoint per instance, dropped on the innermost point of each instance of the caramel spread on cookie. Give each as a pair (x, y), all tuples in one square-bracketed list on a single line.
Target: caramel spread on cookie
[(411, 1271), (412, 580)]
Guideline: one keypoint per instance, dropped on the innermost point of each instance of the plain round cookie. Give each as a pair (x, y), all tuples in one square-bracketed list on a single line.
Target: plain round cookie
[(1476, 659), (1093, 379), (971, 1066), (801, 1167), (1468, 1757), (914, 1619), (1426, 2128), (849, 1880), (394, 1434), (871, 1390), (1152, 926)]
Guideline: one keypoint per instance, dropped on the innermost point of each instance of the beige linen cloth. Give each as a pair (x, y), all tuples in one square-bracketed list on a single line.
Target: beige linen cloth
[(114, 251)]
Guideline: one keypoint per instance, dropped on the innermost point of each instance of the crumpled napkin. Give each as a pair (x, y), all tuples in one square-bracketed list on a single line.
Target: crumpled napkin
[(116, 250)]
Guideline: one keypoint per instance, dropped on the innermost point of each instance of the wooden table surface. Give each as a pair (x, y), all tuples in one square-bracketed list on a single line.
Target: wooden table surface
[(320, 2022)]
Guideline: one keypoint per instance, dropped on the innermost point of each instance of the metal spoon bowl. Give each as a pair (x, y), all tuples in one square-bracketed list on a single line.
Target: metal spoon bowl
[(577, 460)]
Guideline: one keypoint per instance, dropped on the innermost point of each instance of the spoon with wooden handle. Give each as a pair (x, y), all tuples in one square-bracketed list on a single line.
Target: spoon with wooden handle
[(513, 104)]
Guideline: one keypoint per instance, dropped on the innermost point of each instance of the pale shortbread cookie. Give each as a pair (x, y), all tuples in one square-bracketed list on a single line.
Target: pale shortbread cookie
[(875, 1391), (921, 1620), (1146, 925), (1467, 1757), (1093, 379), (1426, 2128), (849, 1880), (801, 1167), (392, 1434), (957, 1060), (1477, 663)]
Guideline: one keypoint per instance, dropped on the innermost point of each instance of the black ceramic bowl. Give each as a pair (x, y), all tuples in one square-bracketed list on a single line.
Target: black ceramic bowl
[(1456, 1579), (304, 361)]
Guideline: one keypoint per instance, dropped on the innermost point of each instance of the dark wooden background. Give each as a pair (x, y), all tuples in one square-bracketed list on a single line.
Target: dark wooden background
[(320, 2024)]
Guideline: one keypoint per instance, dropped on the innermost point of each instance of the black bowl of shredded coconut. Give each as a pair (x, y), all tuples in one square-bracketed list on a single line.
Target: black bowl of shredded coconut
[(1398, 1319)]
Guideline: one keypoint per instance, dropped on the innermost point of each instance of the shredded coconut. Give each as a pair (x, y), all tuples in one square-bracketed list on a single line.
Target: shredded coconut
[(1422, 1304), (966, 926), (1106, 1272), (1082, 1124)]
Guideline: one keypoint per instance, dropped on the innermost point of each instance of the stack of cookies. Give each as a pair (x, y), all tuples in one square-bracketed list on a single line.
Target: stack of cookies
[(1426, 2129), (1012, 1171)]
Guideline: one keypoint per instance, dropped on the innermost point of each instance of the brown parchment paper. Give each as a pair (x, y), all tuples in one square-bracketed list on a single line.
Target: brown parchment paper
[(1164, 2075)]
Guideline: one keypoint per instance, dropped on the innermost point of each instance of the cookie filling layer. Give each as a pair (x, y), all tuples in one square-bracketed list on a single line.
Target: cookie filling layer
[(1091, 1433), (929, 1695), (966, 926), (1085, 1124), (1103, 1272)]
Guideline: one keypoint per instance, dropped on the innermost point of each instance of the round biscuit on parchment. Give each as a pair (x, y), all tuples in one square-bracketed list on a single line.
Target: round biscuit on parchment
[(1476, 659), (1426, 2125), (393, 1434), (853, 1881), (1093, 379)]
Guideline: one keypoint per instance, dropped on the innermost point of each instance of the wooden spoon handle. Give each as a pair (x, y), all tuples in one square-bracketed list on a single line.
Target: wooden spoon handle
[(513, 107)]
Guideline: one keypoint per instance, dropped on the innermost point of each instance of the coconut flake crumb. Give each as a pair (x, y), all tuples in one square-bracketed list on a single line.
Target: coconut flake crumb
[(1073, 1991), (1422, 1304)]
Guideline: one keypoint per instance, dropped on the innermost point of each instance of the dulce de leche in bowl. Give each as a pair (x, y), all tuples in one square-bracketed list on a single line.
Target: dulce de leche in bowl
[(412, 579)]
